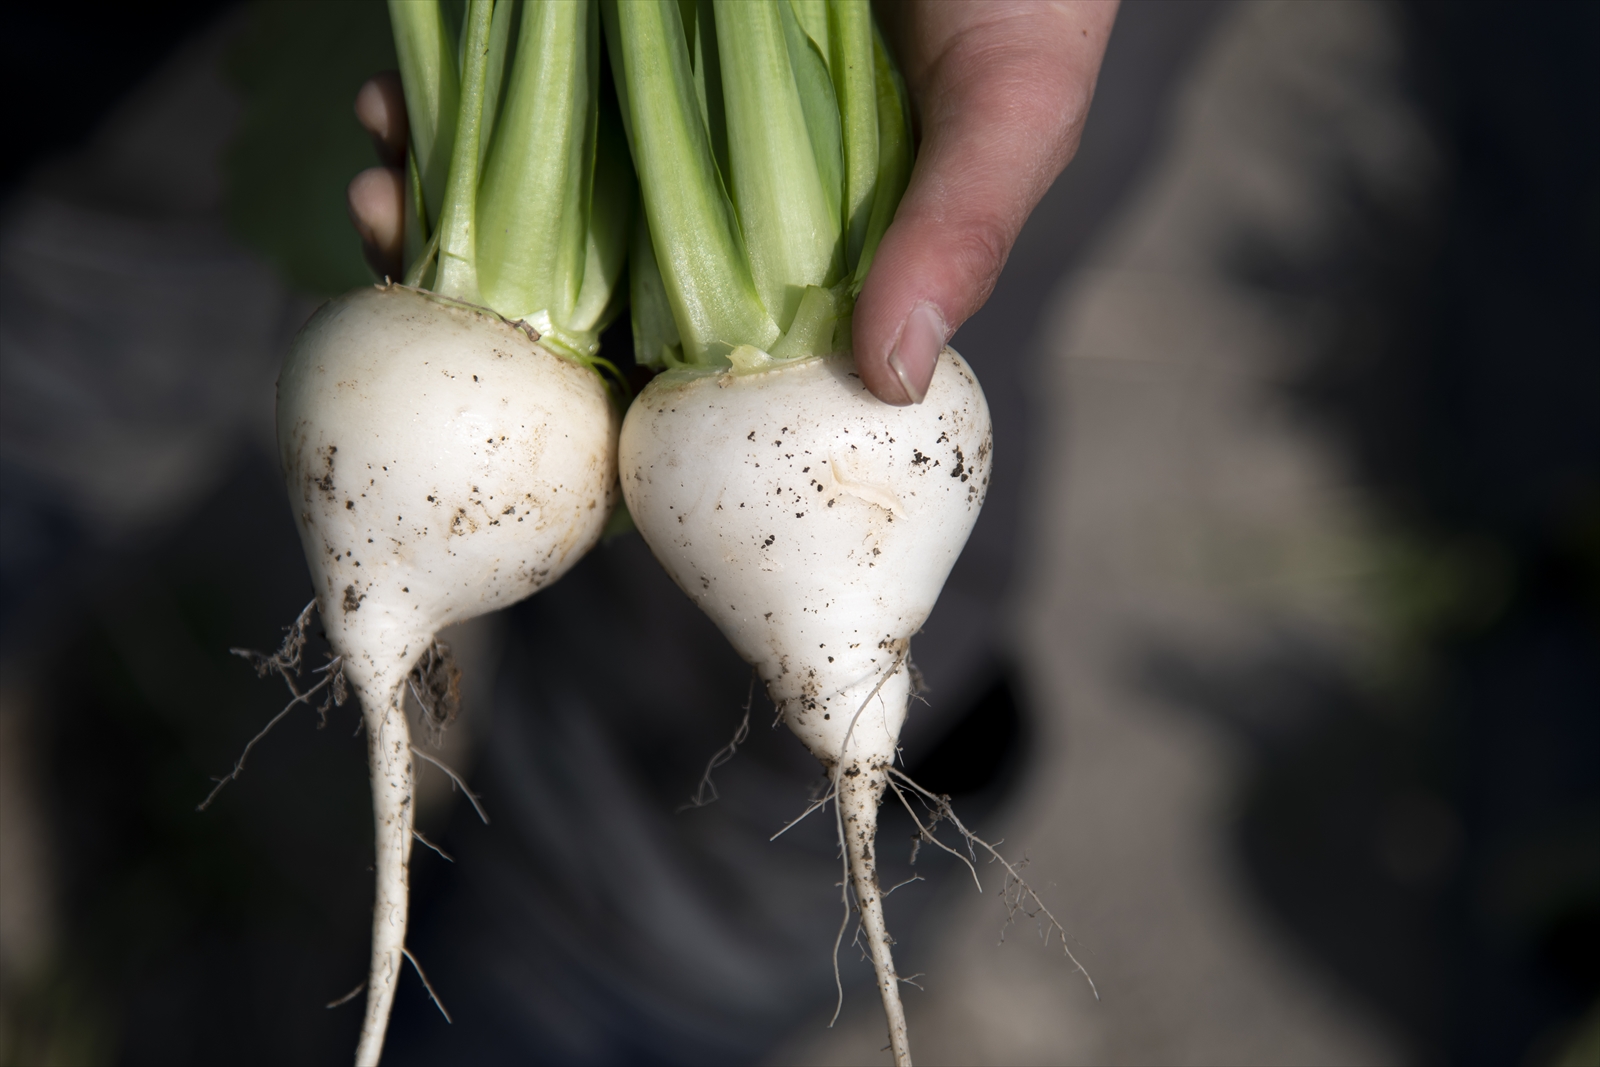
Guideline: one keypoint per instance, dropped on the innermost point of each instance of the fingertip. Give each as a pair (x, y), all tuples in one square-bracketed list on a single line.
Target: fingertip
[(376, 200), (1002, 93), (900, 371), (904, 313), (381, 110)]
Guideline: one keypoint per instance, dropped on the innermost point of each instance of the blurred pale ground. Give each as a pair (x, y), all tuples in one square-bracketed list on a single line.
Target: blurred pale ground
[(1274, 651)]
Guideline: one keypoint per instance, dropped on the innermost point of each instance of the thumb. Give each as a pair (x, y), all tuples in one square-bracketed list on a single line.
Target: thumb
[(1003, 90)]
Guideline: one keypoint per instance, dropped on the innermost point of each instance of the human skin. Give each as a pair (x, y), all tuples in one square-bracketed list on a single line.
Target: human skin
[(1000, 90)]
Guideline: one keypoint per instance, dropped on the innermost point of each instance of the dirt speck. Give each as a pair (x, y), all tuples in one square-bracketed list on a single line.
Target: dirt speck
[(960, 469)]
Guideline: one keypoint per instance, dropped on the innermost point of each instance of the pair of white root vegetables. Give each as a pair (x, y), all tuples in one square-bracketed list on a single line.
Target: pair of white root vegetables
[(443, 464)]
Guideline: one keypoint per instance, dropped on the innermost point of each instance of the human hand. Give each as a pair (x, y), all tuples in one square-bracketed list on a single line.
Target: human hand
[(1000, 91), (377, 196)]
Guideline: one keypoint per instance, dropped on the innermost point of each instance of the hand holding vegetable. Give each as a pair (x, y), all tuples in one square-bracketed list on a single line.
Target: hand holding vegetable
[(771, 146), (377, 195), (1001, 91)]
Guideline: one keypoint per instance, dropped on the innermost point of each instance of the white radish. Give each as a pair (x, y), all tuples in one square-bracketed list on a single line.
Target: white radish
[(443, 460), (441, 464), (816, 525)]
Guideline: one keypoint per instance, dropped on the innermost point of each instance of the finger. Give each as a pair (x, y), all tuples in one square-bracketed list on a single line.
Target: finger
[(376, 198), (1003, 90), (381, 109)]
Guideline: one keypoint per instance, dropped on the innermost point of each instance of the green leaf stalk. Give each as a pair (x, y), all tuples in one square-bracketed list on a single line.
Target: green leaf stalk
[(772, 145)]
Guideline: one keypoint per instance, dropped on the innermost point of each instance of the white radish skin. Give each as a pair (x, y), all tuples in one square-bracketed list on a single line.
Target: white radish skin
[(441, 465), (816, 526)]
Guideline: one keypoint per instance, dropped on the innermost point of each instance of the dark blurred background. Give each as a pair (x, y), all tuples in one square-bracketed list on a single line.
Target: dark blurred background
[(1276, 650)]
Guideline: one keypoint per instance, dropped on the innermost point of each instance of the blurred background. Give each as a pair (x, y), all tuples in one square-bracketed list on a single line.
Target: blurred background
[(1276, 651)]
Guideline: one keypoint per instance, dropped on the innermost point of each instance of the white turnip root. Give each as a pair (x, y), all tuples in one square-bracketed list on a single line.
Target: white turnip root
[(816, 526), (442, 459), (441, 464)]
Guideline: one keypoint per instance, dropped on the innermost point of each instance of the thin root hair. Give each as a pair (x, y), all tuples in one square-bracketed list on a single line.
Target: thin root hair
[(919, 684), (855, 938), (908, 881), (287, 664), (427, 985), (442, 853), (707, 793), (925, 833), (287, 658), (894, 669), (820, 802), (435, 683), (844, 883), (347, 998), (455, 781), (1019, 897)]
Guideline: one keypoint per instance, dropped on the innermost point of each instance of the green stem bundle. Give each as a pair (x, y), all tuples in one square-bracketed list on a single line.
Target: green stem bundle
[(520, 191), (772, 146)]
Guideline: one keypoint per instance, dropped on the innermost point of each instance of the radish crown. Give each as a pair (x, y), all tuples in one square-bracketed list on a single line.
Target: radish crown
[(518, 178), (772, 145)]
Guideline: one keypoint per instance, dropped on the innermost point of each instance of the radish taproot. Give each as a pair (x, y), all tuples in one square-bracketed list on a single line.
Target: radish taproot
[(815, 524), (449, 443)]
